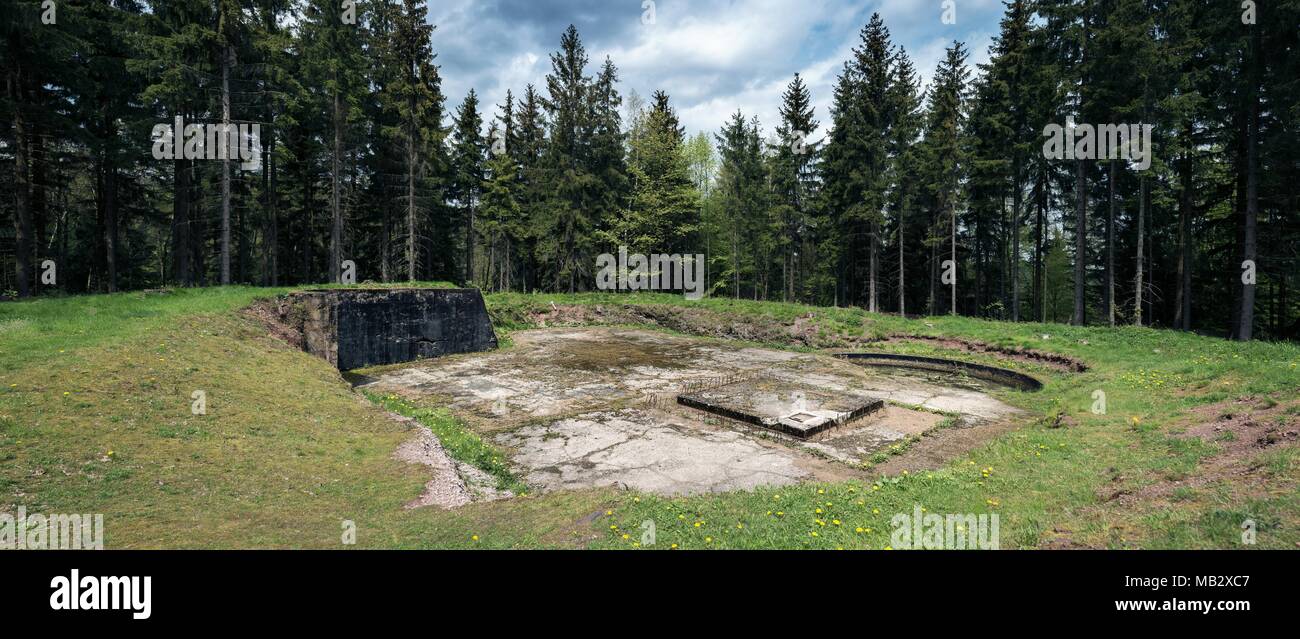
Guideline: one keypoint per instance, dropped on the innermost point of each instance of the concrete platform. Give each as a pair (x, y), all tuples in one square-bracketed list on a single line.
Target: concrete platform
[(793, 409), (586, 407)]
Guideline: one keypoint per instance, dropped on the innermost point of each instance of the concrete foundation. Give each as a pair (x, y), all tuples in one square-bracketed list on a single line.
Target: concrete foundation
[(590, 407), (353, 328), (790, 408)]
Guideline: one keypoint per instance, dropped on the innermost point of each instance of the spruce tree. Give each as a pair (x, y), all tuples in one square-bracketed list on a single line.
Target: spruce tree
[(467, 173)]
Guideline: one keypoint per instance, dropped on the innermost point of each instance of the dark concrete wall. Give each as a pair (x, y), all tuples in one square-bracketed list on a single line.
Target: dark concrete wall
[(353, 328)]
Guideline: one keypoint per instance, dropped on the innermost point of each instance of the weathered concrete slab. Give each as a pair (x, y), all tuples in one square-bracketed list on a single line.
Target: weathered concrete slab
[(635, 449), (586, 407), (352, 328)]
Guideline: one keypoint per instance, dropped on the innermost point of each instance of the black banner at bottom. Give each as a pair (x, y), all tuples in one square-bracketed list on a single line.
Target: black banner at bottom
[(175, 588)]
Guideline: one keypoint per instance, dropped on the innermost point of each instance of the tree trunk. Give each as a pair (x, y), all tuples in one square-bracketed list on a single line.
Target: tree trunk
[(953, 208), (1141, 257), (1040, 284), (1183, 298), (1080, 316), (873, 267), (110, 222), (1017, 201), (225, 165), (180, 223), (410, 192), (469, 246), (1110, 244), (902, 292), (1246, 330), (934, 265), (22, 209), (336, 225)]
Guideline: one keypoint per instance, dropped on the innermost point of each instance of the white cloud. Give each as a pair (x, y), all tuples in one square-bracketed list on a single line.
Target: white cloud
[(712, 56)]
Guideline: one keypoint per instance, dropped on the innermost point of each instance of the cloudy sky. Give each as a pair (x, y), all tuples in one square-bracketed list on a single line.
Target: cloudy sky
[(711, 56)]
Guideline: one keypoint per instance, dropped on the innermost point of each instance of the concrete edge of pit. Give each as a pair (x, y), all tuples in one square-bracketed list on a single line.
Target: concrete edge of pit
[(691, 400), (993, 374)]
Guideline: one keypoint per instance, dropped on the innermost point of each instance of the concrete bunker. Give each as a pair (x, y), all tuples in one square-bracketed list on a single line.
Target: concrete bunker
[(353, 328)]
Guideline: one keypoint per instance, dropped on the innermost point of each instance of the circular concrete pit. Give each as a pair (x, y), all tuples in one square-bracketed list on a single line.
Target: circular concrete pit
[(590, 407)]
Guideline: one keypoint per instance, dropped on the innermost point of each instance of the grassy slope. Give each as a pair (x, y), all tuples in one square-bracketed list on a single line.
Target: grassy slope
[(286, 451)]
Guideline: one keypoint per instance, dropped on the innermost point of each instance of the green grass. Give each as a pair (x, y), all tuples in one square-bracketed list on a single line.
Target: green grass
[(287, 452)]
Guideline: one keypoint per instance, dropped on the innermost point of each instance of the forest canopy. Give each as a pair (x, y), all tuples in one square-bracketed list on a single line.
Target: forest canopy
[(1170, 197)]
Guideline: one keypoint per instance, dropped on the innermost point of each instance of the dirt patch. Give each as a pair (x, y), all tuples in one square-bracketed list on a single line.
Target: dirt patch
[(1243, 426), (275, 316), (1242, 429), (1062, 539), (454, 483), (597, 355), (802, 331), (693, 321), (1030, 356), (939, 447)]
